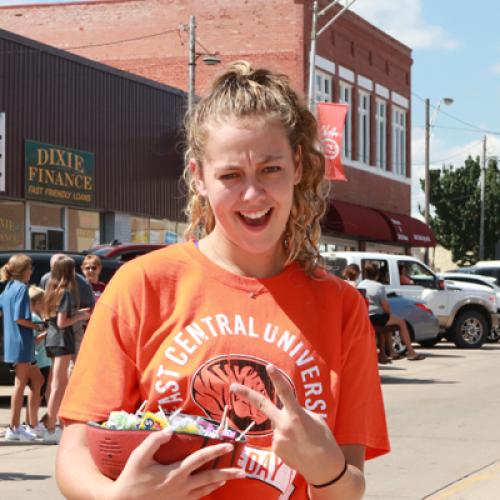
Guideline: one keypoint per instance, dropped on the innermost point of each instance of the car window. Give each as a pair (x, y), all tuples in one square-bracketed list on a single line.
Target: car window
[(335, 266), (489, 271), (383, 269), (414, 273)]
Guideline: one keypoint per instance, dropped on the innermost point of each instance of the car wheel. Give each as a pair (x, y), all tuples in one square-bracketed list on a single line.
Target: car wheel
[(430, 342), (469, 330), (494, 335), (397, 343)]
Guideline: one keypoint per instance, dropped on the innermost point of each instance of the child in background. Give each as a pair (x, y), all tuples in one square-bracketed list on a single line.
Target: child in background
[(243, 318), (19, 349), (91, 269), (61, 309), (43, 362)]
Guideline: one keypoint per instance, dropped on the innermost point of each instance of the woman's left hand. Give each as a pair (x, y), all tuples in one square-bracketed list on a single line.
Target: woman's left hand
[(301, 438)]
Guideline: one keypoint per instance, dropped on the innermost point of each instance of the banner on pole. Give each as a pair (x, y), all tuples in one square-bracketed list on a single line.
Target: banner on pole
[(331, 121)]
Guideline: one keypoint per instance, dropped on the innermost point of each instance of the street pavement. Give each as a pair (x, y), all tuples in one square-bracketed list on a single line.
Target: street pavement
[(443, 416)]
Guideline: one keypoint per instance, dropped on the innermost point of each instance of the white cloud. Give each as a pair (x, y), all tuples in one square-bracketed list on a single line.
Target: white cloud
[(441, 154), (403, 20), (495, 68)]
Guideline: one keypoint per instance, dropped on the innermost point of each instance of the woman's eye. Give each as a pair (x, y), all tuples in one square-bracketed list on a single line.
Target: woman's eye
[(228, 176), (271, 169)]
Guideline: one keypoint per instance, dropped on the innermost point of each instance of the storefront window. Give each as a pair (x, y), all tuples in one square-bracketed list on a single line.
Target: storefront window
[(46, 215), (163, 231), (11, 225), (83, 229), (139, 230)]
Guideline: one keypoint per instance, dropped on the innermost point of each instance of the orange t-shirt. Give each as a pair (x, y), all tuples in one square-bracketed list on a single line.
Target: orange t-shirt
[(175, 329)]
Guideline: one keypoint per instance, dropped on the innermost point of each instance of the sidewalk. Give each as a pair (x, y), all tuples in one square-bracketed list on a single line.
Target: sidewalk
[(480, 485)]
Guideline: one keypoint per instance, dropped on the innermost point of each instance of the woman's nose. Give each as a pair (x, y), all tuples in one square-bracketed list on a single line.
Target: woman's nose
[(253, 189)]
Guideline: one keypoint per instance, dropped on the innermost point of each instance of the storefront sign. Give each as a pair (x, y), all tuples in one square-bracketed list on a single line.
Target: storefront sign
[(58, 174)]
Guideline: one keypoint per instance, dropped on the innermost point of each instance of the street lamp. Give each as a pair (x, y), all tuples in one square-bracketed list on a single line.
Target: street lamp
[(429, 123), (207, 58)]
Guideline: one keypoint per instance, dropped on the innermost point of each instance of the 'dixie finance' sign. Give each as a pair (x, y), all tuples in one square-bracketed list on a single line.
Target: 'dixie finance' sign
[(58, 174)]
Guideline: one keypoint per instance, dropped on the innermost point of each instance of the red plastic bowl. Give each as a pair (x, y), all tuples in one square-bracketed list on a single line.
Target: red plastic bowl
[(110, 448)]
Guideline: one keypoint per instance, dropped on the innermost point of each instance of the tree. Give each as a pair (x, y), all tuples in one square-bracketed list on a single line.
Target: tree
[(456, 197)]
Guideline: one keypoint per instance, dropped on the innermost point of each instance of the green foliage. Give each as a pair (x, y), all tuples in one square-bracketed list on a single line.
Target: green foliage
[(456, 198)]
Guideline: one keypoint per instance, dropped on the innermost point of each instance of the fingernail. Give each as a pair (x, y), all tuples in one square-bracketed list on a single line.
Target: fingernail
[(228, 448), (222, 483), (241, 473)]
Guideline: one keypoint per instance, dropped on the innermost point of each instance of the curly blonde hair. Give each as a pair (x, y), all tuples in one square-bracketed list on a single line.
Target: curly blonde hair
[(243, 92)]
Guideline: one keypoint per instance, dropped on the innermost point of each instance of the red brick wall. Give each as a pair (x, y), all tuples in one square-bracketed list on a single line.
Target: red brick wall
[(270, 33), (370, 190)]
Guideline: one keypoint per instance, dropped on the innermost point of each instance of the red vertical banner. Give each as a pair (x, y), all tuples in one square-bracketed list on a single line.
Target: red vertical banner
[(331, 121)]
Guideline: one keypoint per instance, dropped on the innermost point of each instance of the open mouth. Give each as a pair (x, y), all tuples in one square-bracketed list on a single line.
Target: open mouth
[(256, 218)]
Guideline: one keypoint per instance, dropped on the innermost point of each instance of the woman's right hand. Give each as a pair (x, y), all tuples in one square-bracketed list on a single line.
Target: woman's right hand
[(143, 477)]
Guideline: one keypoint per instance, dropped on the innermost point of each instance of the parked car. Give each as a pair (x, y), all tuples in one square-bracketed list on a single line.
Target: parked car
[(124, 251), (41, 265), (465, 316), (465, 281), (422, 324), (484, 267)]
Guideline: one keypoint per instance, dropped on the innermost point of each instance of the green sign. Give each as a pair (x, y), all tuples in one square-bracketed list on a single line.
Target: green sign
[(58, 174)]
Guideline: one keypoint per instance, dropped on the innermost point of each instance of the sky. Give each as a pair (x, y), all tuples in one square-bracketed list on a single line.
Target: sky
[(456, 53)]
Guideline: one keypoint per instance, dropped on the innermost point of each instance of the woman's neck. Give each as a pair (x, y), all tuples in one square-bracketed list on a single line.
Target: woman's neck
[(235, 261)]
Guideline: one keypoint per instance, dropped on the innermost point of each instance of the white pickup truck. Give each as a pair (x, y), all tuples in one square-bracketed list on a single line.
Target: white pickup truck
[(465, 316)]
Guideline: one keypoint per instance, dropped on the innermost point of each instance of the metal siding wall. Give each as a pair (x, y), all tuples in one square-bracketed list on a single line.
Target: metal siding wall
[(131, 127)]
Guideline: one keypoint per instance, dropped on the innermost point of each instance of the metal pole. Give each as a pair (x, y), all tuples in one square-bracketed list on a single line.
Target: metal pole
[(427, 174), (192, 62), (482, 187), (334, 18), (312, 57)]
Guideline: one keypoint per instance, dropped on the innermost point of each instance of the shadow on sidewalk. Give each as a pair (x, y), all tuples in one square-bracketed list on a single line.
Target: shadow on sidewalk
[(389, 379), (21, 476)]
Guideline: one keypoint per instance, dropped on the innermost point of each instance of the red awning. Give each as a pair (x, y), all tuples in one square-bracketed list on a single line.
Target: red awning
[(354, 220), (409, 231)]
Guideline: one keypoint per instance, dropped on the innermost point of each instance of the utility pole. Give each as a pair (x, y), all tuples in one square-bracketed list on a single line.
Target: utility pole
[(427, 173), (482, 183), (312, 57), (191, 62)]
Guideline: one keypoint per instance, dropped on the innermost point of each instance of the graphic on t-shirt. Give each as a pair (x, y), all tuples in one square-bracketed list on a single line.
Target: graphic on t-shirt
[(210, 390)]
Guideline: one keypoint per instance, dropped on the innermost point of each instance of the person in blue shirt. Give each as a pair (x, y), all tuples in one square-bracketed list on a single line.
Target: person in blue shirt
[(19, 344)]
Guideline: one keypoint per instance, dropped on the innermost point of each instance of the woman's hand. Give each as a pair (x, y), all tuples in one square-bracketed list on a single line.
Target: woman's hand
[(300, 438), (143, 477), (84, 314)]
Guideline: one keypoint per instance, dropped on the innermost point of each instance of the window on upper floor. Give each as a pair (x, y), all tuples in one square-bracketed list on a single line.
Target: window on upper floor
[(323, 86), (364, 127), (381, 133), (398, 141), (346, 97)]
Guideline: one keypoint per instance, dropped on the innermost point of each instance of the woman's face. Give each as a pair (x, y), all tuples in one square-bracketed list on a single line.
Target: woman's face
[(27, 274), (248, 176), (91, 271)]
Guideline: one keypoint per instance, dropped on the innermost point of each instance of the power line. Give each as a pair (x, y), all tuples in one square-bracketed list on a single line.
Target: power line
[(463, 122), (452, 156), (115, 42)]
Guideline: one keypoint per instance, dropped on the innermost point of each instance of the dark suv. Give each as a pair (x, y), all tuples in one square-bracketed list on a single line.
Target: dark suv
[(41, 265)]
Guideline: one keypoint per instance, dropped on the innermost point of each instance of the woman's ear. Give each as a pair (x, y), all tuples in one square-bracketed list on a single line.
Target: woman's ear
[(297, 160), (197, 175)]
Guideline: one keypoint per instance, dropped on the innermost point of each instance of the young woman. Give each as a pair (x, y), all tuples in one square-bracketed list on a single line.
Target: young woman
[(61, 309), (242, 317), (19, 344)]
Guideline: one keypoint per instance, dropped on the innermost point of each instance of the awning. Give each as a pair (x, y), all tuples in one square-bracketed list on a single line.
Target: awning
[(409, 231), (360, 222)]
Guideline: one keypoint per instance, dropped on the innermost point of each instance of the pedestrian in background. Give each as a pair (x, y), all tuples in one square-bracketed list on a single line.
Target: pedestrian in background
[(91, 269), (85, 298), (43, 362), (380, 314), (19, 344), (351, 274), (257, 195), (61, 308)]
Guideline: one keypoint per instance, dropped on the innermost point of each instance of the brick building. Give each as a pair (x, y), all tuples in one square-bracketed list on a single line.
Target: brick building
[(356, 63)]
